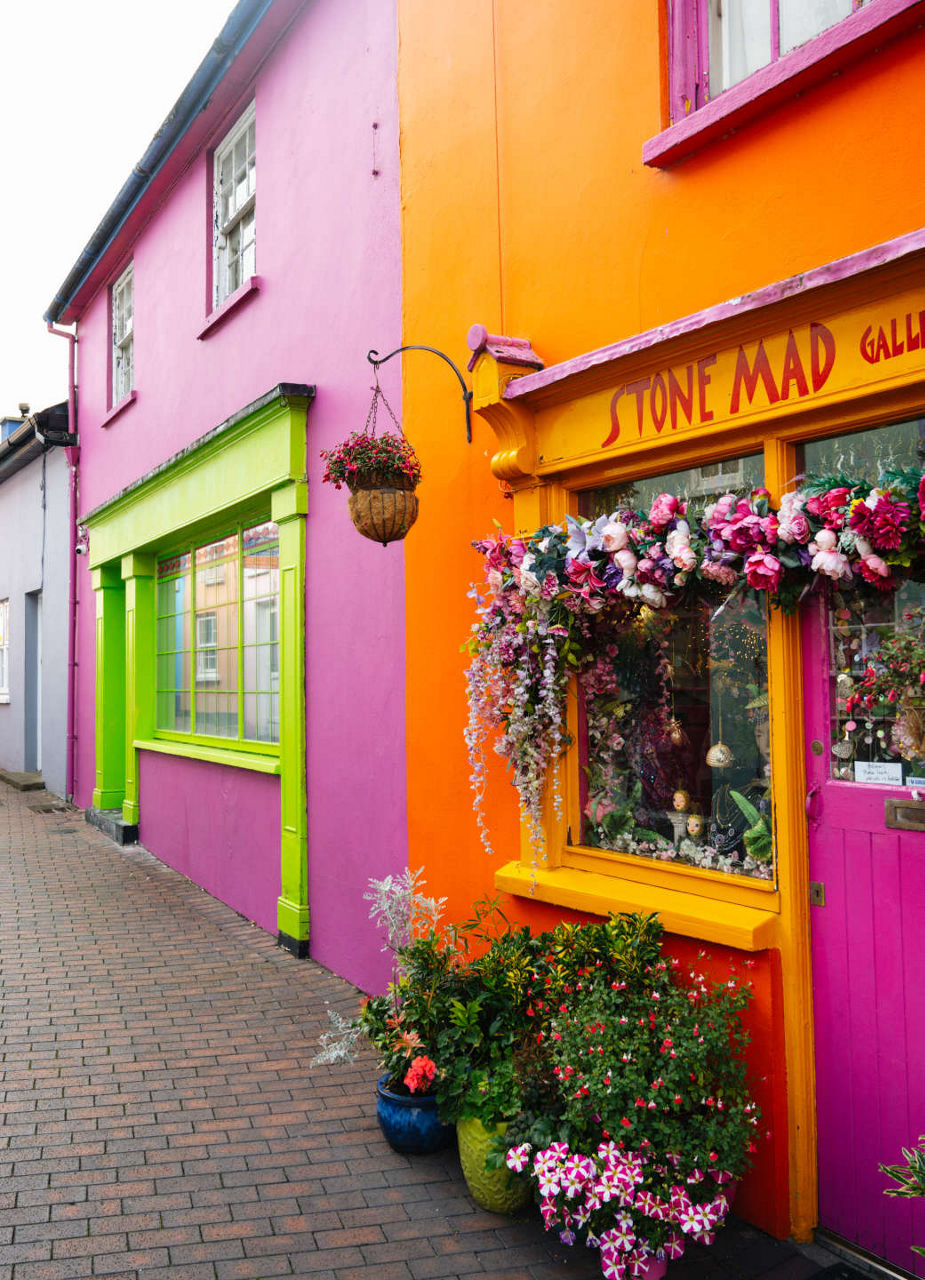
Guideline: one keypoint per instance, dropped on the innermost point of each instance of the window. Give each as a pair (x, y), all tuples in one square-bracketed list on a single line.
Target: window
[(234, 209), (206, 646), (123, 336), (4, 650), (732, 61), (745, 35), (673, 742), (217, 617)]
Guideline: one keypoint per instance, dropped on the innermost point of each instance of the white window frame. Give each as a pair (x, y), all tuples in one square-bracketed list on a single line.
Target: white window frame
[(207, 646), (123, 335), (4, 650), (234, 210)]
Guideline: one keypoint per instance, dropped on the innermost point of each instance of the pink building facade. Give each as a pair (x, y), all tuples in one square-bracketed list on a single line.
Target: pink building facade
[(223, 313)]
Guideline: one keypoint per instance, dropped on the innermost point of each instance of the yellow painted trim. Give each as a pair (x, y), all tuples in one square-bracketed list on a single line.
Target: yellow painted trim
[(677, 876), (688, 914), (788, 771), (215, 755)]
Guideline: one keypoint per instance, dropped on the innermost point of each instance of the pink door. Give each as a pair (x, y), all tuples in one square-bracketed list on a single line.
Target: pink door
[(868, 948)]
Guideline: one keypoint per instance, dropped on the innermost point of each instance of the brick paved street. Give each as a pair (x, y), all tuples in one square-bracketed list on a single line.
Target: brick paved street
[(158, 1114)]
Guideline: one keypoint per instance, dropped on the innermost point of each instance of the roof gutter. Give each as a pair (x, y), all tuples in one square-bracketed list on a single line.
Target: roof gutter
[(19, 449), (236, 32)]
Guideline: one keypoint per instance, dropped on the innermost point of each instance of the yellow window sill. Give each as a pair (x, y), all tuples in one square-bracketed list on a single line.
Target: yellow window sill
[(214, 755), (687, 914)]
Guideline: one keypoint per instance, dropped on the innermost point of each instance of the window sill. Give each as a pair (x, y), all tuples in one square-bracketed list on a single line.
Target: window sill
[(4, 699), (213, 755), (118, 409), (829, 53), (233, 302), (687, 914)]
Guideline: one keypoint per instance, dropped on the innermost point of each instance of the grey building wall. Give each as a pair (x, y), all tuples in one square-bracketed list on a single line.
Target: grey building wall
[(34, 578)]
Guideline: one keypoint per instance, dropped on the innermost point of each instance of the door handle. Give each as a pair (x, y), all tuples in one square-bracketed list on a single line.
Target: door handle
[(810, 797)]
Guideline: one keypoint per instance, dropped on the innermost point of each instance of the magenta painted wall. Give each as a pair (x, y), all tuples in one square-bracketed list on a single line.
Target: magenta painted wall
[(328, 256), (232, 841)]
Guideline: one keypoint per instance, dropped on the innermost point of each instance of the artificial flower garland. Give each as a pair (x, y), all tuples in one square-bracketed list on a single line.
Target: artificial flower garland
[(549, 594)]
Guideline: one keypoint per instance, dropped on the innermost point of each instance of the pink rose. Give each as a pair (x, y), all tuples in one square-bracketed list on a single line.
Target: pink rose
[(627, 561), (686, 559), (614, 536), (763, 571), (831, 563), (663, 510), (825, 541), (873, 569)]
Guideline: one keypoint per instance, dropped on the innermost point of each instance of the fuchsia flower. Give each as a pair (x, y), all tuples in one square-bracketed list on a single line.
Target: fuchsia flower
[(829, 507)]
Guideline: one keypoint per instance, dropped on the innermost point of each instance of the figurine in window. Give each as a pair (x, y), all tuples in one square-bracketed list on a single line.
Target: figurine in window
[(681, 801), (695, 826)]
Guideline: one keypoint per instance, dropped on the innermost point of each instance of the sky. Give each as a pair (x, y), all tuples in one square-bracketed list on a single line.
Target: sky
[(85, 84)]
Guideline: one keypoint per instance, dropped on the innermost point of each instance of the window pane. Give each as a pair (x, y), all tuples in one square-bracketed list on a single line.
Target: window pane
[(673, 729), (173, 711), (800, 20), (216, 715), (885, 742), (740, 40)]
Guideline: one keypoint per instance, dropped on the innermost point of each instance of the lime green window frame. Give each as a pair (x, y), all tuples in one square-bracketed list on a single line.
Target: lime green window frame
[(235, 481), (217, 640)]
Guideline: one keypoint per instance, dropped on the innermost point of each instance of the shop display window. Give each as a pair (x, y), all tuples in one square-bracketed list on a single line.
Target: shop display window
[(218, 663), (673, 727)]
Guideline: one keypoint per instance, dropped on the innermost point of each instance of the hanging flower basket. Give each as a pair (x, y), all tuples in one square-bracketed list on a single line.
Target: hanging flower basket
[(382, 504), (381, 472)]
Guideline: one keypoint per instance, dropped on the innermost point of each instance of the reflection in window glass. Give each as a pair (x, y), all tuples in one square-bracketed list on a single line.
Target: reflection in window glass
[(674, 738), (218, 656)]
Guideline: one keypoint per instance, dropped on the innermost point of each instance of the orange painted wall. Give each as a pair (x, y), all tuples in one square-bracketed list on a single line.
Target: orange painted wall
[(527, 208)]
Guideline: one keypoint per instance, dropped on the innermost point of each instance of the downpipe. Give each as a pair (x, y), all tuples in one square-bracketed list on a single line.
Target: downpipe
[(72, 454)]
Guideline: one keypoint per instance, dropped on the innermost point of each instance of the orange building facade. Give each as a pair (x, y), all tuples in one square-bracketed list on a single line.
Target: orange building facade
[(704, 283)]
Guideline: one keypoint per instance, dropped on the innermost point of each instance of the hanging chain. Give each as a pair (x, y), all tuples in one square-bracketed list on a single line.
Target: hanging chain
[(379, 394)]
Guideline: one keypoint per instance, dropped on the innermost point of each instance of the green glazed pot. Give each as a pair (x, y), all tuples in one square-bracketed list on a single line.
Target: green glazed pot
[(496, 1190)]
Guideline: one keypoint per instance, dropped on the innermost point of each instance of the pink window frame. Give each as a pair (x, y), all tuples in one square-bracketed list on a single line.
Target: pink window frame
[(697, 123)]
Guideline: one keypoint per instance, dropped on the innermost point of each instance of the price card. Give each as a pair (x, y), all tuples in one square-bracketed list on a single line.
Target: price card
[(882, 771)]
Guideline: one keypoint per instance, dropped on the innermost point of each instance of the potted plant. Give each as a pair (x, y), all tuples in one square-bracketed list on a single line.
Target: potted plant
[(638, 1123), (382, 473)]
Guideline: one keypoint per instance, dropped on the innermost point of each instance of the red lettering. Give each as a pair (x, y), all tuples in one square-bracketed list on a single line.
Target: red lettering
[(638, 389), (913, 340), (703, 381), (614, 419), (896, 347), (883, 347), (677, 396), (744, 375), (793, 370), (658, 402), (820, 336), (866, 346)]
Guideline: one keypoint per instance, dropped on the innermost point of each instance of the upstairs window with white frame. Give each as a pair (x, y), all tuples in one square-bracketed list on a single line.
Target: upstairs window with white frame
[(4, 650), (234, 209), (123, 335)]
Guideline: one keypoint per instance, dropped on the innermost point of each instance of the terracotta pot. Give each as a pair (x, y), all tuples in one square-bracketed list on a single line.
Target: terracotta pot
[(496, 1190), (383, 505), (410, 1123)]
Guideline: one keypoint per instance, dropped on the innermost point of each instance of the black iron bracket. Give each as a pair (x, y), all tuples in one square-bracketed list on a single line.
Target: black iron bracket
[(375, 359)]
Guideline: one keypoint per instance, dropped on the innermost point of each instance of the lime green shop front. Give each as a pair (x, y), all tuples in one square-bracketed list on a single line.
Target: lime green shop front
[(244, 476)]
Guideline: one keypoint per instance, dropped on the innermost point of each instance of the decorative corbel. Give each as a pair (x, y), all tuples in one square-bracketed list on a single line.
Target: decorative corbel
[(495, 362)]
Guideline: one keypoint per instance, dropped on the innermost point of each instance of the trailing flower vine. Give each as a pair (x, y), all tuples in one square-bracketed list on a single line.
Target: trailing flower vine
[(554, 599)]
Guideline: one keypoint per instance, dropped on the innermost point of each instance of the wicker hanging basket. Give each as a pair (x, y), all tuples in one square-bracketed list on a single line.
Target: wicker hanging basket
[(383, 505)]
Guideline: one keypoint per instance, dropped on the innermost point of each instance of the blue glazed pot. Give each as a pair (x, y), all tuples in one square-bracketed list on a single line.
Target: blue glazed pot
[(410, 1124)]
